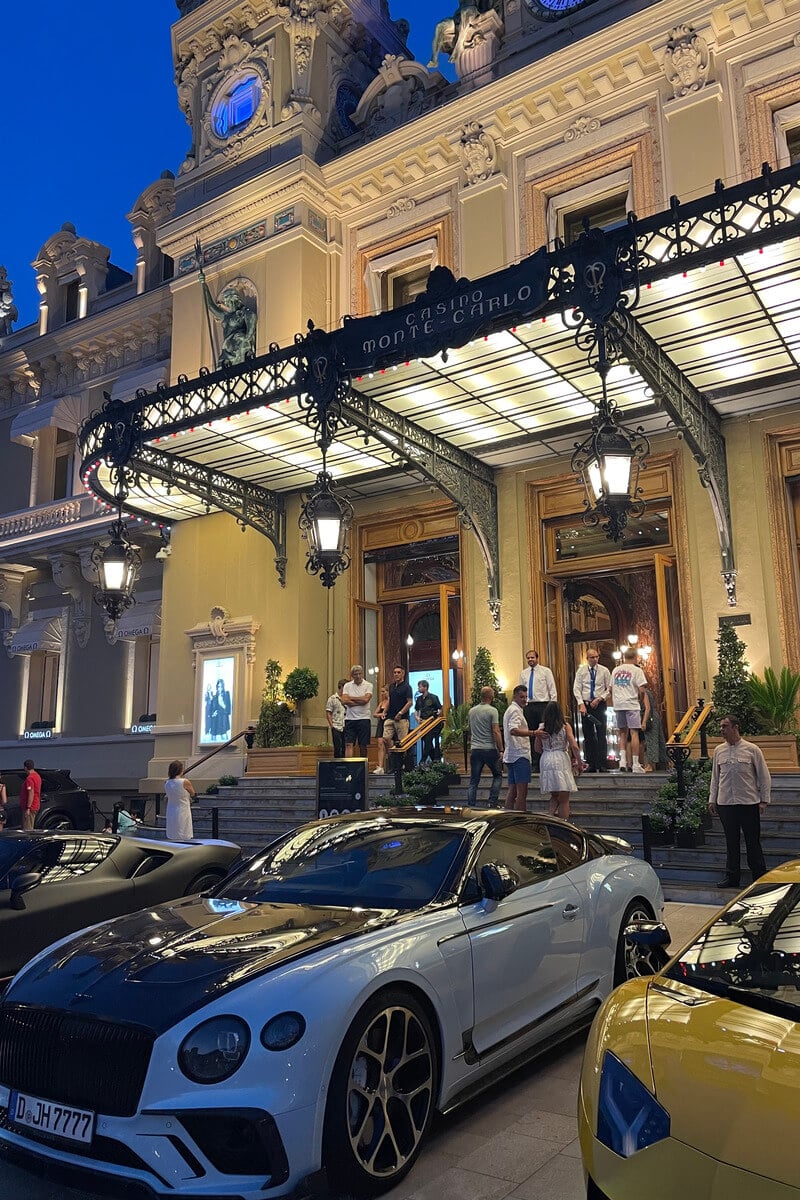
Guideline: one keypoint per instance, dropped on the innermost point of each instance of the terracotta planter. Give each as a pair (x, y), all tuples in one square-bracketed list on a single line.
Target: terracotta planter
[(780, 750), (286, 761)]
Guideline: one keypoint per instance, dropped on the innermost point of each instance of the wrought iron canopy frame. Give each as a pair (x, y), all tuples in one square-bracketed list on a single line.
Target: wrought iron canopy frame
[(451, 313)]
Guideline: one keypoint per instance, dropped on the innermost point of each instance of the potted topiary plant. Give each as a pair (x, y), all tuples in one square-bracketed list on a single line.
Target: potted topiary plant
[(301, 684), (275, 753), (456, 733), (274, 726), (485, 675), (661, 817), (775, 700)]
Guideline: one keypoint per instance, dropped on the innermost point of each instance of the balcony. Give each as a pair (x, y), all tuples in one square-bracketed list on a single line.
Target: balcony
[(47, 523)]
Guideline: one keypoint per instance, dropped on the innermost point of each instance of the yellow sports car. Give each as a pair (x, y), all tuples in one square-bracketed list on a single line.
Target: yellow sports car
[(690, 1088)]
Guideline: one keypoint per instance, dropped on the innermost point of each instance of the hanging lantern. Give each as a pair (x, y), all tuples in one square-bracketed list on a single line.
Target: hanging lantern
[(608, 463), (117, 564), (325, 521)]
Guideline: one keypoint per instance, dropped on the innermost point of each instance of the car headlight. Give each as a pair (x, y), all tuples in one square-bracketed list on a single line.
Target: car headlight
[(214, 1050), (628, 1116), (283, 1031)]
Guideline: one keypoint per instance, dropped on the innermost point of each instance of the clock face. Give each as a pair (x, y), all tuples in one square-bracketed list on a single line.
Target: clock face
[(551, 10)]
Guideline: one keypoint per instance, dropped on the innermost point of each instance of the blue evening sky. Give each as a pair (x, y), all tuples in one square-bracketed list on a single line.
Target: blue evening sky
[(91, 119)]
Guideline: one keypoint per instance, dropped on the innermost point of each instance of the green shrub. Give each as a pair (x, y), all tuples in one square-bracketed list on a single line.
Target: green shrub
[(485, 675), (228, 780), (275, 726), (301, 684), (731, 693), (456, 724), (774, 700)]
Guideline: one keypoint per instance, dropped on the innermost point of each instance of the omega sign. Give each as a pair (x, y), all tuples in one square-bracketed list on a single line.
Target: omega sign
[(449, 313), (35, 735)]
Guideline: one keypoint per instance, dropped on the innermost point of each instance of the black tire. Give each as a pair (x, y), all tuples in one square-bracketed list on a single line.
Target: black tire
[(365, 1099), (624, 966), (55, 820), (204, 881)]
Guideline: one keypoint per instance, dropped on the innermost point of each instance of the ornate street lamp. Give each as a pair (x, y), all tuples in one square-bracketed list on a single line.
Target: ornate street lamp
[(325, 520), (117, 562), (608, 463)]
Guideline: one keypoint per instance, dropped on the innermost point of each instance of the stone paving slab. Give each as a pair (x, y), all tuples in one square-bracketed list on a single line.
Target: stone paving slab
[(518, 1139)]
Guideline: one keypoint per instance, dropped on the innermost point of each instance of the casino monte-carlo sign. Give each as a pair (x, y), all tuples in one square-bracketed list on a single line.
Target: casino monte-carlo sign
[(448, 313)]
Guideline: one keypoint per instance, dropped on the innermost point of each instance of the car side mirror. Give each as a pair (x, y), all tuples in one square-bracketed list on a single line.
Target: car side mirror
[(21, 884), (646, 944), (498, 881)]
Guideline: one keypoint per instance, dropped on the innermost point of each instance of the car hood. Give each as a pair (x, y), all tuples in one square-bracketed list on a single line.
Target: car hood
[(727, 1074), (156, 966)]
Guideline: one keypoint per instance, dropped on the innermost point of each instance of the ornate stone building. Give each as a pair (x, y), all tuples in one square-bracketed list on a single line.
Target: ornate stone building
[(328, 175)]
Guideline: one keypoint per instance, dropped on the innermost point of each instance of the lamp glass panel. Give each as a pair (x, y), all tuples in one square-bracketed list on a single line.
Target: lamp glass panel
[(328, 532), (115, 574), (617, 474), (595, 479)]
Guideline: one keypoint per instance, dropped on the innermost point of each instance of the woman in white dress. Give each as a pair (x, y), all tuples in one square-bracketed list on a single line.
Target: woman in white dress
[(556, 743), (179, 793)]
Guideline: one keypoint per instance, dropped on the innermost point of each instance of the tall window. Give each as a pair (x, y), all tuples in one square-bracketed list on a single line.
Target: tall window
[(145, 676), (602, 214), (63, 464), (42, 688), (71, 300), (793, 144), (403, 286)]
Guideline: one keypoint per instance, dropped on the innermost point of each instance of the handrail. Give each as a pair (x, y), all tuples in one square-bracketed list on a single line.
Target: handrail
[(683, 737), (415, 735), (224, 746)]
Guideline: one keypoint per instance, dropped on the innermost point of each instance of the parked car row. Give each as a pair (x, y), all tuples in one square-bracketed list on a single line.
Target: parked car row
[(296, 1024)]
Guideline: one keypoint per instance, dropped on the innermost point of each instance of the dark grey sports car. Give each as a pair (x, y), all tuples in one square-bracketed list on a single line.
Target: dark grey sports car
[(52, 884), (65, 805)]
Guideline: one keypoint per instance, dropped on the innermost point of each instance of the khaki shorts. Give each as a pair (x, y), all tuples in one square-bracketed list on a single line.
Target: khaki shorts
[(395, 730)]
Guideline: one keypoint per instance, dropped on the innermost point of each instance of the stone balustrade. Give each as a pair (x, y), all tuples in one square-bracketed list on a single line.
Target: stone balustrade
[(46, 517)]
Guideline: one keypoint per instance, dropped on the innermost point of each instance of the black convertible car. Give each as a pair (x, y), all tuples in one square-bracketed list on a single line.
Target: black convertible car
[(65, 805), (52, 884)]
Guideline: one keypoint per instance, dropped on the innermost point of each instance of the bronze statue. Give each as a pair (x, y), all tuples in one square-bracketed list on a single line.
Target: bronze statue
[(236, 314), (8, 309)]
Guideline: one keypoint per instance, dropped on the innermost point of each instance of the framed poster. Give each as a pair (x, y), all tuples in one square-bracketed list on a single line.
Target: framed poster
[(217, 693)]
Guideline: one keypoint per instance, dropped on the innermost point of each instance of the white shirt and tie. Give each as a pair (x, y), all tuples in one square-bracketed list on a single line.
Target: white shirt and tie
[(592, 683), (539, 684)]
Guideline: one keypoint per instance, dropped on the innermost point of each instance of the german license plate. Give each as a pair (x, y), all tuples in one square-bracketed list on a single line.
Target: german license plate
[(45, 1116)]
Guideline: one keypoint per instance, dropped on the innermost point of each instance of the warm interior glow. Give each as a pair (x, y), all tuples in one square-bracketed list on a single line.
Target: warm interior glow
[(114, 574), (595, 479), (617, 474), (328, 533)]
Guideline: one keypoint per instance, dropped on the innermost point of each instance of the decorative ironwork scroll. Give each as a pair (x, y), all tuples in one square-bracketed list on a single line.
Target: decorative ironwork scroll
[(697, 421)]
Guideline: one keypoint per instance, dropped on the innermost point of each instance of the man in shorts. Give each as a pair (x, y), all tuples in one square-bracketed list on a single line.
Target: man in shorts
[(395, 725), (356, 698), (30, 795), (627, 685), (517, 754)]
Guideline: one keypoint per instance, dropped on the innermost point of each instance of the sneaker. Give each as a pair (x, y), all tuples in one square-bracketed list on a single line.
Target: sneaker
[(728, 883), (379, 771), (638, 769)]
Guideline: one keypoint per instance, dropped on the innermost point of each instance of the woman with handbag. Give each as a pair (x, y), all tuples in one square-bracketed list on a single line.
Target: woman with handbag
[(561, 759)]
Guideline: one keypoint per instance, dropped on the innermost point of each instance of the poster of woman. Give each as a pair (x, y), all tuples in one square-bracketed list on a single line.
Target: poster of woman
[(217, 689)]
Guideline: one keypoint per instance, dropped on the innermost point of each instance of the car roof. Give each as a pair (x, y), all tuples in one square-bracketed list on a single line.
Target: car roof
[(69, 835), (449, 814)]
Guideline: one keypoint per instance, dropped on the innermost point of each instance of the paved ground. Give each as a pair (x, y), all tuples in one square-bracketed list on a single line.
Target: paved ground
[(517, 1140)]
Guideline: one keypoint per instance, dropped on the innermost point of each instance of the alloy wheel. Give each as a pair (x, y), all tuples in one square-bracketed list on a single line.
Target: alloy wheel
[(640, 961), (389, 1091)]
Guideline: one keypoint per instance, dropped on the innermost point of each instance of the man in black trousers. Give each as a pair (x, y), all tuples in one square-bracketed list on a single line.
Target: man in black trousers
[(592, 690), (740, 792)]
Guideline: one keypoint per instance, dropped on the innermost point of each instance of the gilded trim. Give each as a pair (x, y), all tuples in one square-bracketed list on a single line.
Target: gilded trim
[(441, 230), (761, 104), (781, 461)]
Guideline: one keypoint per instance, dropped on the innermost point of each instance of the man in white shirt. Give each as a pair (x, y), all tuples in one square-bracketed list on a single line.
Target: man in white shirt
[(356, 697), (592, 688), (540, 689), (627, 685), (739, 794), (517, 754)]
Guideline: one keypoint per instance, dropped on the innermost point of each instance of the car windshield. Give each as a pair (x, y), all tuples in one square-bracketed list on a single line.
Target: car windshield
[(751, 953), (378, 863)]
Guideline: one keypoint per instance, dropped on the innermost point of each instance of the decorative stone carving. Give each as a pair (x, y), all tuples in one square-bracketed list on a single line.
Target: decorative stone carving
[(687, 61), (478, 152), (68, 575), (186, 77), (216, 623), (8, 309), (403, 204), (402, 90), (581, 128), (300, 20), (239, 62), (237, 631), (472, 37)]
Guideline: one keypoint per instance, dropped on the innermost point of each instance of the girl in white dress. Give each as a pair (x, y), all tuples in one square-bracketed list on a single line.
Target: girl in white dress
[(556, 743), (179, 793)]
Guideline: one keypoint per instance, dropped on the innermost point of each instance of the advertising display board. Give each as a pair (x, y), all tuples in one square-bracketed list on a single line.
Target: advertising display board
[(342, 786), (217, 690)]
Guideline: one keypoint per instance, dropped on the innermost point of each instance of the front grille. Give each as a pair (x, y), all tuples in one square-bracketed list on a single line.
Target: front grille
[(77, 1060)]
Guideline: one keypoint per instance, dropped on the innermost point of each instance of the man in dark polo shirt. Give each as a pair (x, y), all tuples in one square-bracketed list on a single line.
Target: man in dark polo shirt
[(395, 725)]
